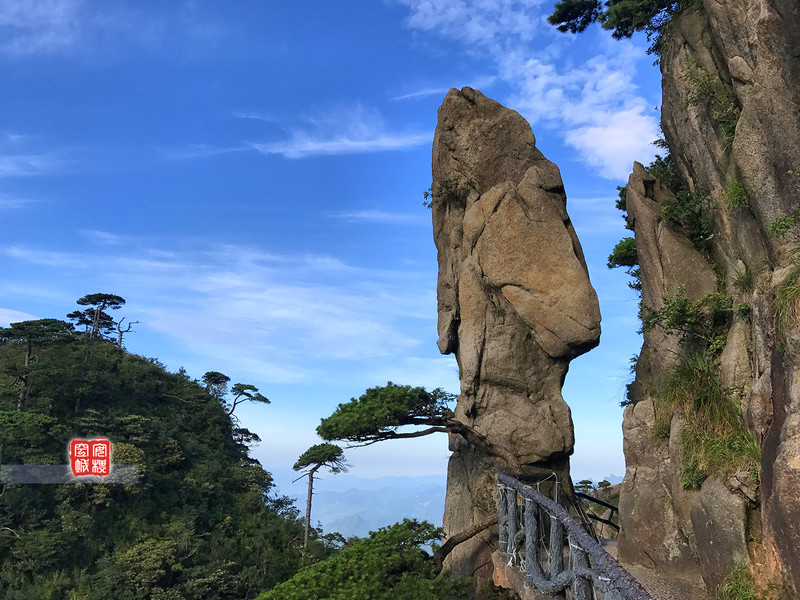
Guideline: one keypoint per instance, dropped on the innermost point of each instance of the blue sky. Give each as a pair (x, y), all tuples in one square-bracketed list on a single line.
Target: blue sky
[(249, 176)]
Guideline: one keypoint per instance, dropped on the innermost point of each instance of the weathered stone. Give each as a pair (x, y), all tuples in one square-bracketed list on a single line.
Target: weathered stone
[(730, 115), (515, 304), (650, 534), (719, 522)]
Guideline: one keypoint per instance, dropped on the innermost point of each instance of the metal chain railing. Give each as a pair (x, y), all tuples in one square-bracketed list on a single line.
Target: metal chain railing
[(541, 530)]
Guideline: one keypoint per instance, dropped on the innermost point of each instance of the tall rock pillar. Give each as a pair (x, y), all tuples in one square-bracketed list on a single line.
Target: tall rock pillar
[(515, 305)]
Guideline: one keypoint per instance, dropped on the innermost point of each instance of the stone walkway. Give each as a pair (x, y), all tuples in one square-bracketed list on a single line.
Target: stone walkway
[(663, 586)]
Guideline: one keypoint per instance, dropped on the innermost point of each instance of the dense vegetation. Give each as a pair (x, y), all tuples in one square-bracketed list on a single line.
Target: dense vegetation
[(388, 565), (202, 523)]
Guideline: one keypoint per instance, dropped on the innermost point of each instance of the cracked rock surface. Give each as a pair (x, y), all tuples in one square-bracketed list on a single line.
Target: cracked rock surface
[(515, 303)]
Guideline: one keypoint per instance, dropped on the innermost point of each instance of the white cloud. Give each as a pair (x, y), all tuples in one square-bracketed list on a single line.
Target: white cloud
[(594, 104), (10, 203), (33, 26), (8, 316), (302, 146), (192, 151), (475, 21), (424, 93), (26, 165), (255, 116), (374, 215), (344, 130), (103, 238), (45, 257), (283, 318), (611, 146)]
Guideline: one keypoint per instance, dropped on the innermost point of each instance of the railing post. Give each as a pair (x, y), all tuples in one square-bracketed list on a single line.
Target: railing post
[(556, 541), (511, 513), (533, 570), (582, 588), (502, 518)]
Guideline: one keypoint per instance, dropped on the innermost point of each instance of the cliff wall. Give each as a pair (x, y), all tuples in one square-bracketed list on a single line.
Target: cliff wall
[(731, 119)]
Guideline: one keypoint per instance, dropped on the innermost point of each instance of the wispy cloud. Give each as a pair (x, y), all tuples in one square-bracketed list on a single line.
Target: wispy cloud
[(374, 215), (437, 91), (35, 27), (25, 155), (481, 82), (345, 130), (103, 238), (594, 105), (26, 165), (45, 257), (11, 203), (302, 146), (255, 116), (192, 151), (282, 318), (477, 21), (8, 316)]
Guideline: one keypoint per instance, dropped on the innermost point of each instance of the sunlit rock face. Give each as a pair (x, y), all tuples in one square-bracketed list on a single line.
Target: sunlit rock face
[(731, 117), (515, 304)]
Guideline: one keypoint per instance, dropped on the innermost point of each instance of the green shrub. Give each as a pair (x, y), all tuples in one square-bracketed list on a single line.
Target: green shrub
[(781, 226), (785, 308), (700, 84), (704, 321), (744, 281), (713, 436), (624, 254), (666, 171), (688, 210), (738, 585), (389, 564), (735, 196), (487, 283), (622, 201), (725, 115), (692, 476), (448, 190)]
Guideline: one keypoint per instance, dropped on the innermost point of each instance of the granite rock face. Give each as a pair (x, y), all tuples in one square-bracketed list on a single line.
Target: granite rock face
[(514, 299), (731, 118)]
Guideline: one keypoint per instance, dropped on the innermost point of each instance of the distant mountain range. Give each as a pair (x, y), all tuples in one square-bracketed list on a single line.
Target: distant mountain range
[(356, 506)]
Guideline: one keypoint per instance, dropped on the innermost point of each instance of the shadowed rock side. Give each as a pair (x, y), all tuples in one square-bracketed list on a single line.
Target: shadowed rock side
[(515, 304), (731, 117)]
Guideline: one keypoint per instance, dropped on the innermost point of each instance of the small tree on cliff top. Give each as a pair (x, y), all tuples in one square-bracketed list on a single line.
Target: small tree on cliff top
[(313, 459)]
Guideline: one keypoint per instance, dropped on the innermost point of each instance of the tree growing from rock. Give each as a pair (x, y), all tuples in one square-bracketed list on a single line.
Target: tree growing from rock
[(381, 412), (94, 318), (623, 17), (312, 460)]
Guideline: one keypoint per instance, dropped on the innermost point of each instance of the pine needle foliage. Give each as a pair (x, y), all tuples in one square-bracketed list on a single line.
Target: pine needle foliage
[(388, 565)]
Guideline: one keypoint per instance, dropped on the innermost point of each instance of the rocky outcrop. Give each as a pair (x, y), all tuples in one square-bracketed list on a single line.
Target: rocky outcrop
[(731, 118), (515, 304)]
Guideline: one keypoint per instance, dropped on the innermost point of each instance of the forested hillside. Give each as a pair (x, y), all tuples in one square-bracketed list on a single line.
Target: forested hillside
[(202, 522)]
